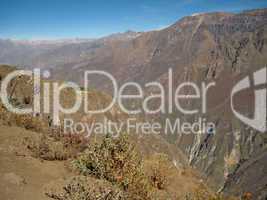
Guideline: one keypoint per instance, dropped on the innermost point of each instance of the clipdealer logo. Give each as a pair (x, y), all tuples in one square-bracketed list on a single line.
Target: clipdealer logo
[(175, 97), (258, 122)]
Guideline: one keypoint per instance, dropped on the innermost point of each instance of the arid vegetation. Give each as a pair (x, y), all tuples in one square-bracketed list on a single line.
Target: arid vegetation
[(116, 160), (110, 168)]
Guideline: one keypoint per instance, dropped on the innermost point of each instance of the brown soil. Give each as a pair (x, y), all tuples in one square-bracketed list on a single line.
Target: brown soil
[(22, 176)]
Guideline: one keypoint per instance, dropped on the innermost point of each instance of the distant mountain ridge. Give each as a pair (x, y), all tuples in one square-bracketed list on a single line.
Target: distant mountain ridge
[(38, 53)]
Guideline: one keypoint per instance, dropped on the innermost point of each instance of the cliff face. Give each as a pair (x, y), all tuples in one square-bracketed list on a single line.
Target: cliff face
[(226, 48), (220, 47)]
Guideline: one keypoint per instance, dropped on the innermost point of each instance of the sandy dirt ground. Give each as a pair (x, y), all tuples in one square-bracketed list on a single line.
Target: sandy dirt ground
[(23, 177)]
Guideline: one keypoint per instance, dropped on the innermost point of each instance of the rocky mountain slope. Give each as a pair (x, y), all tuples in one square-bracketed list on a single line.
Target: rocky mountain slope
[(220, 47), (51, 53), (38, 161)]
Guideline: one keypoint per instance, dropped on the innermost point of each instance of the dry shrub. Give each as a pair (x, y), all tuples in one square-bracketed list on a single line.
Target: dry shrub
[(52, 144), (3, 114), (247, 196), (75, 141), (46, 148), (86, 188), (115, 160), (28, 122), (157, 168)]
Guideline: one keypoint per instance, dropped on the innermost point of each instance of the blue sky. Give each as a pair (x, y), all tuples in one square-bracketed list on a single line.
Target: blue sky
[(53, 19)]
